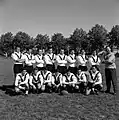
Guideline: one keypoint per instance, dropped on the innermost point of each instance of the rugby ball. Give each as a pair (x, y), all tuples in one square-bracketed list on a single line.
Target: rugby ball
[(64, 92)]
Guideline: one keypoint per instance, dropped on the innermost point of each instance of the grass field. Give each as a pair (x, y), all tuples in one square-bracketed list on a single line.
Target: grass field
[(53, 106)]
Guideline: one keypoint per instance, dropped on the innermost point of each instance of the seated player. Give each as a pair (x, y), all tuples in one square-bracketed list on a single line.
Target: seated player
[(57, 80), (47, 80), (69, 81), (36, 80), (81, 81), (21, 82), (95, 81)]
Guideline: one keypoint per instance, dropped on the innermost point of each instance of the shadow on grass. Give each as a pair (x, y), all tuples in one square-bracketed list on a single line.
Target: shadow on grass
[(9, 89)]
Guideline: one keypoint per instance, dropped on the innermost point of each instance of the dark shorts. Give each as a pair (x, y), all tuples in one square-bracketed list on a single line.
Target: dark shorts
[(62, 69), (40, 68), (29, 69), (50, 68), (83, 68), (73, 70), (17, 68)]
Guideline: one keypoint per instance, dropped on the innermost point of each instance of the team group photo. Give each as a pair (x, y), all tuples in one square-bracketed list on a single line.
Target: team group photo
[(46, 71), (59, 59)]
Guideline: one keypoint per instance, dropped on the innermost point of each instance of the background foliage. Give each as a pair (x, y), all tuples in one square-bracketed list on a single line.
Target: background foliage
[(96, 38)]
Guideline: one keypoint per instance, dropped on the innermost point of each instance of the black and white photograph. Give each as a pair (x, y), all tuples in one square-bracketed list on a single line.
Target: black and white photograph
[(59, 59)]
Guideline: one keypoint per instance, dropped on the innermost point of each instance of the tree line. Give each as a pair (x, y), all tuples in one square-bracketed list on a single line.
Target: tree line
[(96, 38)]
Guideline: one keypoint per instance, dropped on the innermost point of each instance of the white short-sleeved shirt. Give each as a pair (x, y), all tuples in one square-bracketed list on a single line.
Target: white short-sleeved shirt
[(96, 77), (71, 60), (61, 60), (81, 77), (21, 79), (29, 59), (39, 60), (69, 78), (94, 60), (50, 58), (15, 56), (81, 60)]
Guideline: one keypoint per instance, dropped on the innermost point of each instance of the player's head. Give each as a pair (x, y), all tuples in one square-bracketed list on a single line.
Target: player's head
[(40, 51), (18, 49), (62, 51), (79, 70), (94, 68), (50, 50), (35, 70), (82, 51), (29, 50), (94, 52), (72, 52), (24, 70)]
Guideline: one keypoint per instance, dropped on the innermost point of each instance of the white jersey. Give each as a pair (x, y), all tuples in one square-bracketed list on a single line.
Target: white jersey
[(61, 60), (81, 77), (39, 60), (50, 58), (96, 77), (94, 60), (69, 78), (34, 79), (57, 78), (29, 59), (81, 60), (71, 60), (47, 77), (15, 56), (21, 79)]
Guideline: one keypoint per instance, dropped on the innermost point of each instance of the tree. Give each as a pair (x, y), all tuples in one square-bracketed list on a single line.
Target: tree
[(58, 41), (22, 39), (98, 37), (6, 43), (79, 39), (41, 41), (114, 36)]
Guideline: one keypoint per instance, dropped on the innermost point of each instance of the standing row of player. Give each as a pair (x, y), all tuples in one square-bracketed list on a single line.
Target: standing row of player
[(60, 62)]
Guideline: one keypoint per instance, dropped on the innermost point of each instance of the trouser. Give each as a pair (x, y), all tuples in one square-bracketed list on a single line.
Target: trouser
[(29, 69), (72, 70), (83, 68), (110, 75), (50, 68), (62, 69)]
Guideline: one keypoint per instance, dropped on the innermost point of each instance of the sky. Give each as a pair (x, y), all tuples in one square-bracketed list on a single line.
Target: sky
[(56, 16)]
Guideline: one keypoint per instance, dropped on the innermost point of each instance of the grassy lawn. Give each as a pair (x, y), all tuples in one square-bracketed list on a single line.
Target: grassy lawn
[(53, 106)]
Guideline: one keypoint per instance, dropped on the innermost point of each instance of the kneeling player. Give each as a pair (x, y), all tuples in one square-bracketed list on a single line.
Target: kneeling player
[(36, 80), (21, 82), (47, 80), (95, 81), (81, 81), (69, 81), (57, 80)]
